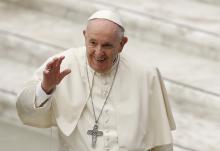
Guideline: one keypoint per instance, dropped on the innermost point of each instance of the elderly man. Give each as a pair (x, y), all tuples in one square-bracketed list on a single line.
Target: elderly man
[(99, 98)]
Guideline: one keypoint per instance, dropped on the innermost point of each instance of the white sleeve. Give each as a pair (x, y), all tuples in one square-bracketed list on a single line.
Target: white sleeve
[(167, 147), (41, 96)]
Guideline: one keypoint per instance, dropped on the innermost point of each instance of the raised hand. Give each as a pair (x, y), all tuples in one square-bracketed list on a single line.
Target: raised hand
[(52, 75)]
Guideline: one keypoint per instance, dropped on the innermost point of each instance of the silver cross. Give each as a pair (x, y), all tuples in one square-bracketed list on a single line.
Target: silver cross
[(95, 133)]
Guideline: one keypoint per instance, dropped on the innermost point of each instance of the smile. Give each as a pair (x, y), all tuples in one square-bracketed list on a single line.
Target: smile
[(100, 59)]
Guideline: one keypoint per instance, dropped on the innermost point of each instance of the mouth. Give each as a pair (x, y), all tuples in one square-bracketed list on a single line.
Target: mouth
[(100, 59)]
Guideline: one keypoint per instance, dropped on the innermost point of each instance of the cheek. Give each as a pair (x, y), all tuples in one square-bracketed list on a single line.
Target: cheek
[(89, 51), (112, 54)]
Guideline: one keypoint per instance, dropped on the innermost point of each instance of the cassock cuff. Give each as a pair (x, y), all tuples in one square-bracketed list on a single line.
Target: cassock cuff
[(41, 96)]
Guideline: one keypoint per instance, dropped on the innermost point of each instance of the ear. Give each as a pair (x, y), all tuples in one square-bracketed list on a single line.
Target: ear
[(123, 42), (84, 33)]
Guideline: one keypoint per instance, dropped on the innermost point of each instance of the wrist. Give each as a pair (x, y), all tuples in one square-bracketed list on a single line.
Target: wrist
[(48, 91)]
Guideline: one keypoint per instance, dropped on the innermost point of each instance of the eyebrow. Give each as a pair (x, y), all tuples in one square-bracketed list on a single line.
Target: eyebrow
[(105, 44), (108, 44), (92, 39)]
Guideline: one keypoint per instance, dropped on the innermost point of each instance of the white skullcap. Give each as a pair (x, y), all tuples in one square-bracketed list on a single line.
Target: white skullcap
[(109, 15)]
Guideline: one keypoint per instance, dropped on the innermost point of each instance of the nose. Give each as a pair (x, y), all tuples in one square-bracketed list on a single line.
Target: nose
[(99, 51)]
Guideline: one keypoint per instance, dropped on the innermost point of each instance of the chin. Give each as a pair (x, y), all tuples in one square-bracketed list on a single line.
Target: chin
[(100, 70), (100, 67)]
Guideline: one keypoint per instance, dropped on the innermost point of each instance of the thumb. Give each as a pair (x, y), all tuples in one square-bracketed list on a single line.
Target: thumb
[(63, 74)]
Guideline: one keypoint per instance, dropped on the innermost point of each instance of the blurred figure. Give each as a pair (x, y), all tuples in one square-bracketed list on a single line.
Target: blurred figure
[(99, 98)]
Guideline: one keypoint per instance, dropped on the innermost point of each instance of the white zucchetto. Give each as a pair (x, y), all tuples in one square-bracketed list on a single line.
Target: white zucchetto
[(109, 15)]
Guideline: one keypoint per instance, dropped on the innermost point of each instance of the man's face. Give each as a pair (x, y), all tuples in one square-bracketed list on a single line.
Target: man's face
[(103, 43)]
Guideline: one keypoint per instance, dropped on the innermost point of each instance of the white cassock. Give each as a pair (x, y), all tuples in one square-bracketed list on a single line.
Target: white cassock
[(137, 116)]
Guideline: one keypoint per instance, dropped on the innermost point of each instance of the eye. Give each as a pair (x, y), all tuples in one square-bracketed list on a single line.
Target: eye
[(108, 46), (92, 43)]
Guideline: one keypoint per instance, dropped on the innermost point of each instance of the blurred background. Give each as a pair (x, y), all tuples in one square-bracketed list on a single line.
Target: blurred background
[(181, 37)]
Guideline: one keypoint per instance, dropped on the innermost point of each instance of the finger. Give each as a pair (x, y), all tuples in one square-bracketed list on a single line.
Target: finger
[(59, 61), (63, 74), (49, 65), (54, 62), (46, 72), (56, 65)]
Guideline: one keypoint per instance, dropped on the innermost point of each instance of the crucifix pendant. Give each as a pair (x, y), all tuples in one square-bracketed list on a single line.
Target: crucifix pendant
[(95, 133)]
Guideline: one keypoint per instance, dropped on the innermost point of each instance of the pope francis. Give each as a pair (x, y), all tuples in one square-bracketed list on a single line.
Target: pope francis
[(97, 97)]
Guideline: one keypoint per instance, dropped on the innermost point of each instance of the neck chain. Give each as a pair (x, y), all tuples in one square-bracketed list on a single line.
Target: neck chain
[(95, 131)]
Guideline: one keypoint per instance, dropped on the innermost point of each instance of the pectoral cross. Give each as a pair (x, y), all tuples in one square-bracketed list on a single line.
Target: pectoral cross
[(95, 133)]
